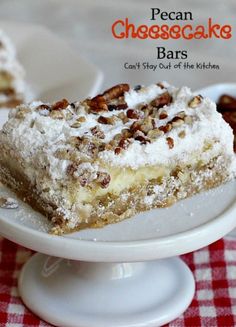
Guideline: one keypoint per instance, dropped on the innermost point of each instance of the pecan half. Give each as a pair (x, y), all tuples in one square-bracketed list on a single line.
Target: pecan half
[(115, 91), (98, 104)]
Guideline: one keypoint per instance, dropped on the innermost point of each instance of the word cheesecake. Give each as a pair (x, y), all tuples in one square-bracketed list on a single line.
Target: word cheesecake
[(127, 150), (125, 29)]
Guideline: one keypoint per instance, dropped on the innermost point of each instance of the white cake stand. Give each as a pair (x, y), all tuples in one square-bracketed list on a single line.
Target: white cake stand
[(118, 280)]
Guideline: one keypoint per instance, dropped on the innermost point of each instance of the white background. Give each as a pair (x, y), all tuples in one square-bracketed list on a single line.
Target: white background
[(86, 25)]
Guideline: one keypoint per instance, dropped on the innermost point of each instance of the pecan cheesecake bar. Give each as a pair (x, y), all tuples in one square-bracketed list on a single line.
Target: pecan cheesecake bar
[(12, 85), (96, 162)]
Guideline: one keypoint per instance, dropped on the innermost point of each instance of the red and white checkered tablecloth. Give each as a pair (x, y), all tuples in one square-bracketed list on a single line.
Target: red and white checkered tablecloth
[(214, 304)]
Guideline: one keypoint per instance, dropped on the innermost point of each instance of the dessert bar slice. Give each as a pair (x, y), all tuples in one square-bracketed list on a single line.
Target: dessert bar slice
[(96, 162), (12, 85)]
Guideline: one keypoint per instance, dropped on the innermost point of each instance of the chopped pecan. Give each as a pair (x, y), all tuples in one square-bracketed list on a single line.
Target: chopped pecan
[(112, 107), (123, 117), (97, 132), (139, 136), (162, 100), (43, 107), (154, 133), (121, 106), (126, 133), (195, 101), (147, 124), (181, 114), (106, 120), (132, 114), (56, 114), (81, 119), (86, 146), (103, 179), (176, 121), (170, 142), (117, 137), (117, 150), (84, 178), (163, 115), (136, 126), (182, 134), (60, 105), (22, 112), (166, 128), (72, 168), (188, 119), (98, 104), (76, 124), (124, 143), (108, 146)]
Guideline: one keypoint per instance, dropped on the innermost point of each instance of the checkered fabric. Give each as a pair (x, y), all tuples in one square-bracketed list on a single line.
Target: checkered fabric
[(214, 304)]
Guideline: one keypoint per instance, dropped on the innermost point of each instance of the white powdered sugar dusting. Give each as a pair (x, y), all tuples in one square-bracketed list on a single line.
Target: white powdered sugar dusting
[(39, 135)]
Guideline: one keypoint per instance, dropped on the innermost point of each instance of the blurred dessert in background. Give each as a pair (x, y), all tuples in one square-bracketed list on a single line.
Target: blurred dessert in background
[(226, 105), (12, 84)]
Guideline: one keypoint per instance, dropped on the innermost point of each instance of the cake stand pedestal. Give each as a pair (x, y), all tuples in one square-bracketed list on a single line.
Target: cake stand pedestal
[(82, 294), (123, 275)]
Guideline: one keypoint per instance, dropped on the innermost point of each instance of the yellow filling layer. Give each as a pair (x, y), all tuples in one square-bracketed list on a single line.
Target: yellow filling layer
[(120, 179)]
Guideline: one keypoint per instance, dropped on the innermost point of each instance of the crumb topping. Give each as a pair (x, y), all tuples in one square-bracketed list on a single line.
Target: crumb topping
[(123, 127)]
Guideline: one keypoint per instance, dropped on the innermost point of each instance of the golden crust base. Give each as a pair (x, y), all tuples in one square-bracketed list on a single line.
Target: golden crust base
[(111, 209)]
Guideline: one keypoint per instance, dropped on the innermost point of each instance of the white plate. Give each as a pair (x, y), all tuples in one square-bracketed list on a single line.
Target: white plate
[(216, 90), (186, 226), (53, 69)]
